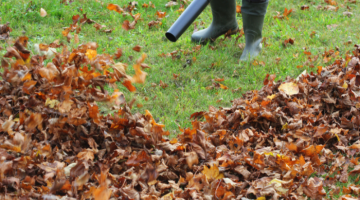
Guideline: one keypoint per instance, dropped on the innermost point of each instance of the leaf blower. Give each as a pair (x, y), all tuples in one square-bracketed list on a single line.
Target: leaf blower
[(186, 19)]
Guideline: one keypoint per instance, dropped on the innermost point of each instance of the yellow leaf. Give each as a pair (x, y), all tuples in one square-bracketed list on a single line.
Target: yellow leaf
[(261, 198), (271, 97), (212, 172), (180, 10), (27, 61), (286, 126), (152, 182), (269, 154), (280, 156), (51, 103), (345, 85), (289, 88), (91, 54)]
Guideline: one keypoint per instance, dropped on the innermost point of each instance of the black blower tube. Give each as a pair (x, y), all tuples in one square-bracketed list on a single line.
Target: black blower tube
[(186, 19)]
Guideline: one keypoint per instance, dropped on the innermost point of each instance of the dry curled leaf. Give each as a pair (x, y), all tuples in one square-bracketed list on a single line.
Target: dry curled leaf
[(267, 144), (289, 88), (137, 48), (115, 8), (43, 12), (171, 3)]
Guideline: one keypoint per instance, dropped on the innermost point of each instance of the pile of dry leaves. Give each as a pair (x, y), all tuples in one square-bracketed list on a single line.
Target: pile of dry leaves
[(273, 143)]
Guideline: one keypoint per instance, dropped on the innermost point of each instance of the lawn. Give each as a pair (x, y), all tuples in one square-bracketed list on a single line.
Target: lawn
[(183, 77)]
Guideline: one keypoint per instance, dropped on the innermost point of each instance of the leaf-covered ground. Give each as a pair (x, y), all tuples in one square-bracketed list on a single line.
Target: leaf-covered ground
[(295, 139), (314, 30)]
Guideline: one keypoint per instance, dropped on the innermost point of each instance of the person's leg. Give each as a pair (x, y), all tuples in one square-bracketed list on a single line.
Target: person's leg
[(224, 19), (253, 14)]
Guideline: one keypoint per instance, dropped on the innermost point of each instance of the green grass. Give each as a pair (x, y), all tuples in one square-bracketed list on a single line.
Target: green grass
[(187, 94), (351, 180)]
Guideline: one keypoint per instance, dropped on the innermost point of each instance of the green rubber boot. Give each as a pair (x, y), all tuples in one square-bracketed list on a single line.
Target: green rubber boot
[(224, 19), (253, 15)]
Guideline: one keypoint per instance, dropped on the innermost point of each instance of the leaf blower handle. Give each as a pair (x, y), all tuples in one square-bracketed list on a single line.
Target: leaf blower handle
[(186, 19)]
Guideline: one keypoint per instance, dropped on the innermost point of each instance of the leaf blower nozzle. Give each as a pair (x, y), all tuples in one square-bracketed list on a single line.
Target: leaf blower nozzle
[(186, 19)]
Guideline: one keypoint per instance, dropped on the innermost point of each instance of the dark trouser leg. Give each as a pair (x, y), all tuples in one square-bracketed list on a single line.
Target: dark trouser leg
[(253, 14)]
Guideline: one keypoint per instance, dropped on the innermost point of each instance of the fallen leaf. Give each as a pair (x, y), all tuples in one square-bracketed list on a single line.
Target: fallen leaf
[(115, 8), (137, 48), (289, 88), (212, 172), (43, 12)]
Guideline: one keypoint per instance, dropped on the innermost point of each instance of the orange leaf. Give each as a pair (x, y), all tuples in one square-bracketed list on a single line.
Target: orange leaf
[(94, 112), (23, 40), (160, 14), (287, 12), (238, 9), (221, 133), (137, 48), (66, 186), (139, 75), (43, 47), (103, 192), (127, 25), (307, 53), (174, 141), (27, 77), (118, 53), (223, 87), (91, 54), (212, 173), (319, 69), (219, 79), (115, 8), (76, 121), (301, 160), (163, 85), (292, 147), (33, 121), (28, 86), (220, 191)]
